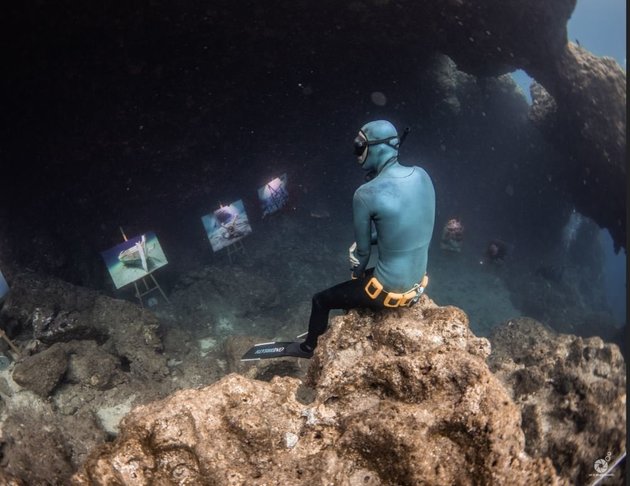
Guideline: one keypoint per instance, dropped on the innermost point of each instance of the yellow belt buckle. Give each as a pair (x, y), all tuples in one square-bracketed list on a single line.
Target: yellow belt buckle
[(374, 284), (397, 298), (424, 282), (401, 300)]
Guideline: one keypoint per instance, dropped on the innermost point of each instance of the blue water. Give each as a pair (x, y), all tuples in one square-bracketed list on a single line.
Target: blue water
[(523, 80), (614, 273), (599, 26)]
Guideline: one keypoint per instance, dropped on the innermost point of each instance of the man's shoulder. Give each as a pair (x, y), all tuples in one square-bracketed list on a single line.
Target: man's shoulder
[(364, 188), (419, 172), (364, 192)]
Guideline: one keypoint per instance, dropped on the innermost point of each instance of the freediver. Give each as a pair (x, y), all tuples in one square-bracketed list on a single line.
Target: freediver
[(395, 210), (495, 253), (452, 235)]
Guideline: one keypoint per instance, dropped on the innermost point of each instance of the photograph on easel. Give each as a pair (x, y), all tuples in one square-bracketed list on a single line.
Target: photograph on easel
[(4, 286), (226, 225), (273, 195), (134, 259)]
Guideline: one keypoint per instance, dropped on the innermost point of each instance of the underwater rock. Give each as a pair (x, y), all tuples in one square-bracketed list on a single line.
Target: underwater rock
[(543, 111), (587, 119), (9, 480), (40, 447), (90, 366), (571, 392), (124, 329), (34, 450), (582, 109), (401, 397), (81, 433), (50, 326), (42, 372)]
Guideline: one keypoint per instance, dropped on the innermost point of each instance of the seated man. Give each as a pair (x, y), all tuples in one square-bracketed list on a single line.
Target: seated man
[(399, 202)]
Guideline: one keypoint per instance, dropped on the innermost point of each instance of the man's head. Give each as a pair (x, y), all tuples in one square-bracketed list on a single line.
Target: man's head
[(376, 144)]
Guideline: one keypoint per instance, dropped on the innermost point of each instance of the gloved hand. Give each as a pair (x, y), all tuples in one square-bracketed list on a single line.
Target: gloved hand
[(354, 261)]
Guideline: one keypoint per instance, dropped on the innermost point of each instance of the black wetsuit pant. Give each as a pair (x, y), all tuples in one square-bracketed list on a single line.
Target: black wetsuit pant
[(346, 295)]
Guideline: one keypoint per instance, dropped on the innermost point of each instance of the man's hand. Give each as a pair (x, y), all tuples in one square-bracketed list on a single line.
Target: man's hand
[(354, 261)]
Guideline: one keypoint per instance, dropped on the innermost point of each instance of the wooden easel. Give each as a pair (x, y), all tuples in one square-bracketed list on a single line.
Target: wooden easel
[(13, 347), (236, 247), (147, 289)]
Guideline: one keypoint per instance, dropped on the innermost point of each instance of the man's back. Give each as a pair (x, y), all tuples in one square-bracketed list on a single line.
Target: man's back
[(401, 203)]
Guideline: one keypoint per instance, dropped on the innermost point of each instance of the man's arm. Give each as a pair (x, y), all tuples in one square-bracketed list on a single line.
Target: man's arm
[(362, 233)]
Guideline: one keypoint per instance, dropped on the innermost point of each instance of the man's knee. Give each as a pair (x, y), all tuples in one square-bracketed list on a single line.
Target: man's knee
[(318, 299)]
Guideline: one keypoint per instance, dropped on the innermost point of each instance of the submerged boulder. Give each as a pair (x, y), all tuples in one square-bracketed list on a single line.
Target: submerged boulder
[(51, 311), (42, 372), (400, 397), (571, 392)]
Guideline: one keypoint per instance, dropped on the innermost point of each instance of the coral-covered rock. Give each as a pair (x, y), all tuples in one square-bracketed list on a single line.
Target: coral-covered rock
[(571, 392), (402, 397)]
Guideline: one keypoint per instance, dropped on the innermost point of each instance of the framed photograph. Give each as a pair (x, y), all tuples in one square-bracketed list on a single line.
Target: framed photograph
[(226, 225), (133, 259), (4, 287), (273, 195)]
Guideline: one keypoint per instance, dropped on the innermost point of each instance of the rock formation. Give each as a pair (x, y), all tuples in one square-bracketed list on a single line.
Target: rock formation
[(52, 311), (85, 359), (397, 397), (587, 121), (402, 397), (589, 118), (571, 392)]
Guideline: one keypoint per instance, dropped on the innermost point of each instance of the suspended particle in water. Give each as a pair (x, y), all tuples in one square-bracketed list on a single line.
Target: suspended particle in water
[(378, 98)]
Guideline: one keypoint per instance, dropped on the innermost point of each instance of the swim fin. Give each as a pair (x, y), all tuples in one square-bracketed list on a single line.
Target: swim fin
[(275, 349)]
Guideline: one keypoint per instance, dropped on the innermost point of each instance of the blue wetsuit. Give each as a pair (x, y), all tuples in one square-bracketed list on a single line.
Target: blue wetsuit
[(399, 204)]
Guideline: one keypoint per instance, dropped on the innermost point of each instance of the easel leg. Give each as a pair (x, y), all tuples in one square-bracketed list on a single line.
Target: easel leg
[(138, 294), (235, 248), (160, 289)]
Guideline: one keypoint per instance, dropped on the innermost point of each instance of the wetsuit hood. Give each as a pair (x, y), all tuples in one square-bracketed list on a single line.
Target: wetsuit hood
[(380, 154)]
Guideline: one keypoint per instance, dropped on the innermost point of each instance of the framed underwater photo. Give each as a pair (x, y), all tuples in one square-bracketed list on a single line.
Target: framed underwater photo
[(273, 195), (4, 287), (226, 225), (134, 259)]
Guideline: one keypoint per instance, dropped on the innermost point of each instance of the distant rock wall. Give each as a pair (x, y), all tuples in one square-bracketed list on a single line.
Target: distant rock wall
[(587, 122), (494, 37)]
